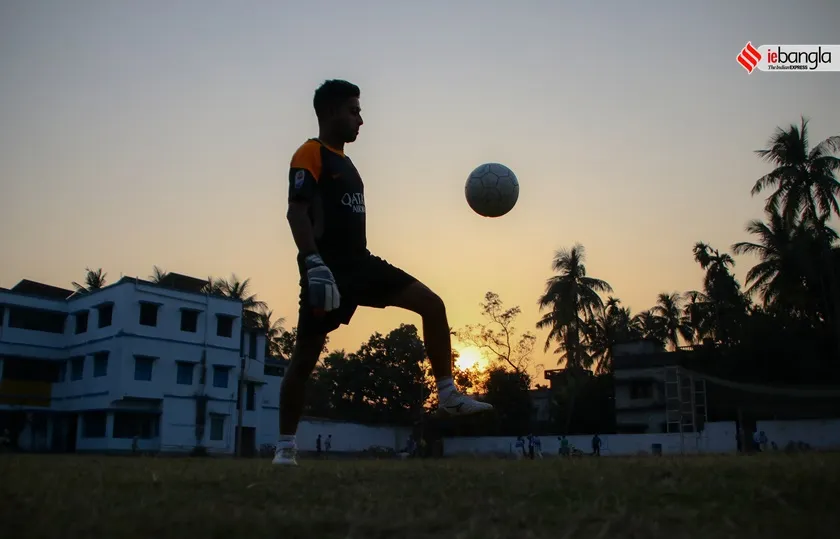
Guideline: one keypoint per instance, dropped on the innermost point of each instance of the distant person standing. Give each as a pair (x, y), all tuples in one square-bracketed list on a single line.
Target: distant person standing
[(760, 439), (538, 447), (520, 447), (328, 443), (531, 446), (564, 446), (596, 446), (318, 444)]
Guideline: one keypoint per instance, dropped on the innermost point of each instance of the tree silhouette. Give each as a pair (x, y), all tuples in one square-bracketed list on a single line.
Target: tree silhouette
[(157, 275), (94, 280), (497, 337), (572, 300)]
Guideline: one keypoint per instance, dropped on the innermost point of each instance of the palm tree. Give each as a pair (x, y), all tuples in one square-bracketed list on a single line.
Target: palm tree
[(241, 290), (650, 327), (158, 275), (573, 299), (94, 280), (782, 248), (610, 326), (806, 186), (668, 310), (803, 178), (213, 286), (719, 281), (272, 329), (235, 289), (725, 303), (696, 314)]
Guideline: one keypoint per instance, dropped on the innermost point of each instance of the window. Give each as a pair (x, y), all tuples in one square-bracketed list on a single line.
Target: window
[(189, 320), (250, 397), (36, 320), (143, 366), (252, 344), (224, 325), (30, 369), (185, 373), (77, 368), (148, 314), (273, 369), (106, 314), (93, 424), (81, 322), (217, 427), (62, 372), (130, 424), (220, 376), (641, 390), (100, 364)]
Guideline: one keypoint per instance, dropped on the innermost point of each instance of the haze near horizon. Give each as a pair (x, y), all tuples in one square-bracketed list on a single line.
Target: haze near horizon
[(136, 135)]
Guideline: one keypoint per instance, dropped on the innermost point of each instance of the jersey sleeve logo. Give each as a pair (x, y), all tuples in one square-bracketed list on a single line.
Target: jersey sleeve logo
[(300, 175)]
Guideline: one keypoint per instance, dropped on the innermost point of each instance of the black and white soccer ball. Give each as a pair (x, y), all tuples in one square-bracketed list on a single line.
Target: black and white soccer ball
[(492, 190)]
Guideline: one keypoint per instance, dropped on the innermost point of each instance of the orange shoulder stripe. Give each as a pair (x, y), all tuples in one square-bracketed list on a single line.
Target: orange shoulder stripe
[(308, 157)]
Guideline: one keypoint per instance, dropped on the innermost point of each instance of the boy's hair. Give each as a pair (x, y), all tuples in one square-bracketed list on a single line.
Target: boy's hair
[(331, 94)]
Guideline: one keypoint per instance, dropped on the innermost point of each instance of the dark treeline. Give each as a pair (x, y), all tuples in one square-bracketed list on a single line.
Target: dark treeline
[(781, 327)]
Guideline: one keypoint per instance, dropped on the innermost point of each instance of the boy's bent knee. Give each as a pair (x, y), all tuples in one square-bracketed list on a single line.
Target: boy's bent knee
[(420, 299)]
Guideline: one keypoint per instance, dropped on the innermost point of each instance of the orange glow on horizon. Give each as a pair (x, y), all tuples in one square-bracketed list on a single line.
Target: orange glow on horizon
[(469, 357)]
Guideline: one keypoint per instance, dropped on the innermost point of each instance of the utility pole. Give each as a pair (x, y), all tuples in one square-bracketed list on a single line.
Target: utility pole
[(240, 400), (240, 404)]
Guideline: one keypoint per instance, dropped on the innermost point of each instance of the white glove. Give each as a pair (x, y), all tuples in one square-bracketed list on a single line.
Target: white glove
[(323, 292)]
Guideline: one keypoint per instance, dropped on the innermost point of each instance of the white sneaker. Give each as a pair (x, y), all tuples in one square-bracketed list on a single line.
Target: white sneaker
[(285, 454), (459, 404)]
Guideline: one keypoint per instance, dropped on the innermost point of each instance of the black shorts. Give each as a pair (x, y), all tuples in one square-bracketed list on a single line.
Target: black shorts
[(368, 281)]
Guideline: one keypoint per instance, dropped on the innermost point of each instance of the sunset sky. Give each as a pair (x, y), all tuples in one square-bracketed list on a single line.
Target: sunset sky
[(135, 134)]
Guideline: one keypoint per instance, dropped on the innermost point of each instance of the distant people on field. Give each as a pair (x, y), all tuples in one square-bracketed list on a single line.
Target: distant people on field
[(538, 447), (318, 444), (760, 441), (596, 446), (531, 446), (519, 447), (564, 446), (328, 443)]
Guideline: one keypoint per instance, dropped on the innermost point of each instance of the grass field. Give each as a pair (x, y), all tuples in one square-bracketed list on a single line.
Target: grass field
[(760, 496)]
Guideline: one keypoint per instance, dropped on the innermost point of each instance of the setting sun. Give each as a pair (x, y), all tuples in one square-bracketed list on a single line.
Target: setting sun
[(468, 357)]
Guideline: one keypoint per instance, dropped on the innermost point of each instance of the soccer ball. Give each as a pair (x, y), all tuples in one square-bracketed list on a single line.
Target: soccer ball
[(492, 190)]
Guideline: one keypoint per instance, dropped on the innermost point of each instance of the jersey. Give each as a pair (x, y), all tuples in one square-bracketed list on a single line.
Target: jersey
[(328, 181)]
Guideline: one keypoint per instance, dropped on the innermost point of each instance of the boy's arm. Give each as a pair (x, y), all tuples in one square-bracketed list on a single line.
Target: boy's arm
[(304, 173), (302, 229)]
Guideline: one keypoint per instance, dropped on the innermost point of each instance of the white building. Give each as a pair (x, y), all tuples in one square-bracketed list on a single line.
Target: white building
[(652, 393), (156, 363)]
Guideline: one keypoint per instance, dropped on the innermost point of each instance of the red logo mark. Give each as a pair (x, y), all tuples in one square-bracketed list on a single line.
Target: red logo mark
[(749, 57)]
